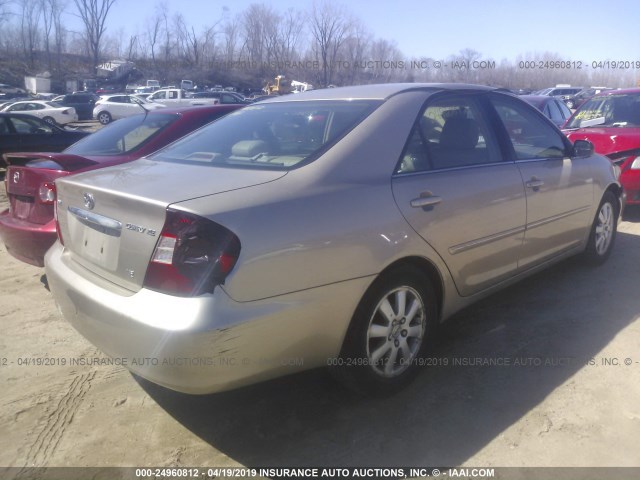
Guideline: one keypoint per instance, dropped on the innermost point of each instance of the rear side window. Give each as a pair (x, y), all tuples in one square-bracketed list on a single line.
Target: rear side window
[(25, 125), (123, 136), (279, 135), (531, 136), (554, 112), (451, 132), (564, 110)]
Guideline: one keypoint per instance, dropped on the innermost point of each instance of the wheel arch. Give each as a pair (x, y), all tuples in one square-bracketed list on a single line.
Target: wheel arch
[(617, 191), (428, 268), (424, 266)]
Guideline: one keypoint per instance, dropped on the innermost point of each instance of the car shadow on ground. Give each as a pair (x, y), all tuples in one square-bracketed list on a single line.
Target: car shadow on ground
[(632, 213), (564, 316)]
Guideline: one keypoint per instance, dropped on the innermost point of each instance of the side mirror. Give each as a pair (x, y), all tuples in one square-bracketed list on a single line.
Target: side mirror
[(582, 148)]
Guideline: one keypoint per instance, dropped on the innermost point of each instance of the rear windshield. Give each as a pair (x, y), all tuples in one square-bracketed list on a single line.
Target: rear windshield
[(269, 136), (608, 111), (123, 136)]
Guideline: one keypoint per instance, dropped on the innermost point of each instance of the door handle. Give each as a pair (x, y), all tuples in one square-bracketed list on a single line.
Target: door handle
[(426, 201), (535, 183)]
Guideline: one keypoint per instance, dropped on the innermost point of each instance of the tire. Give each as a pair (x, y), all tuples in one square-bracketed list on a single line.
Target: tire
[(104, 118), (49, 120), (603, 231), (388, 334), (570, 104)]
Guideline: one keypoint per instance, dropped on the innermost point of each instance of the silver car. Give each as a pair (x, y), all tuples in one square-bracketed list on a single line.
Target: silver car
[(334, 227)]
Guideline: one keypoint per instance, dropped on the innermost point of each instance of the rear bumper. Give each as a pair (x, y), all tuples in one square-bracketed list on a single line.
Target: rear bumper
[(27, 241), (203, 344)]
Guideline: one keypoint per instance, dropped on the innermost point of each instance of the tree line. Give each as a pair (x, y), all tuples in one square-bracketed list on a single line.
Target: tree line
[(324, 45)]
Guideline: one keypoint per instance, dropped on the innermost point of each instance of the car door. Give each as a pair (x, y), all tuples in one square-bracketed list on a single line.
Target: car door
[(9, 139), (459, 194), (119, 106), (559, 190)]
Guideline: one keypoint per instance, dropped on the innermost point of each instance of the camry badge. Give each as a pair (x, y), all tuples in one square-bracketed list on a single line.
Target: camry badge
[(89, 202), (16, 177)]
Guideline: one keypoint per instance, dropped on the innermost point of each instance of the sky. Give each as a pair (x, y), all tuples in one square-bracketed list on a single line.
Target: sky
[(586, 30)]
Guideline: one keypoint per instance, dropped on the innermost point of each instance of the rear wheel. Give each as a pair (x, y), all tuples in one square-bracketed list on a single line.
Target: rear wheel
[(388, 333), (104, 118), (603, 230), (49, 120)]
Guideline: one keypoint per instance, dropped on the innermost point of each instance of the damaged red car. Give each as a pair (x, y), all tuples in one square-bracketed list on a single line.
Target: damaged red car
[(27, 227), (611, 121)]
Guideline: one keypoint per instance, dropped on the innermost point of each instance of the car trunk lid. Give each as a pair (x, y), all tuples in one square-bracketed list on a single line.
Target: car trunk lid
[(110, 219), (27, 173)]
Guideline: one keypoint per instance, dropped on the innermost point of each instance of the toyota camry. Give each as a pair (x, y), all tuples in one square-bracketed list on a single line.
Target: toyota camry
[(334, 227)]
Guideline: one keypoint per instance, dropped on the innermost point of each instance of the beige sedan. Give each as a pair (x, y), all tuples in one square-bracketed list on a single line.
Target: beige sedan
[(336, 227)]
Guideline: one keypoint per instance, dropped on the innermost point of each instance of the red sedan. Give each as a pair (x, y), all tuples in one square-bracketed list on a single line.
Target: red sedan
[(28, 228), (611, 121)]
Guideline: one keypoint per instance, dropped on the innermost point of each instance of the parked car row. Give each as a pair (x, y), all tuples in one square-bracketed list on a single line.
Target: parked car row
[(573, 97)]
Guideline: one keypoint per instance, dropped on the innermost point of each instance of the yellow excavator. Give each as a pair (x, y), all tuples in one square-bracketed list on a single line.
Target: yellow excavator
[(281, 86)]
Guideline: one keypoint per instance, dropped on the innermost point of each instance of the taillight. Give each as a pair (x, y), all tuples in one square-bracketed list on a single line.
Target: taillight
[(192, 256), (66, 112), (47, 193)]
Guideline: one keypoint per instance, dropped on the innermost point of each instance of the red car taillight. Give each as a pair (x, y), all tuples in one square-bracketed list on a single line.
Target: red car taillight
[(47, 193), (192, 256)]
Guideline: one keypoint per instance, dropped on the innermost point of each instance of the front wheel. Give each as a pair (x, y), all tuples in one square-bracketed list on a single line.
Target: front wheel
[(104, 118), (391, 326), (603, 230), (570, 104)]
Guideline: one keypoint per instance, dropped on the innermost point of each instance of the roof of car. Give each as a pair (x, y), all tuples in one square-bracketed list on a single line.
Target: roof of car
[(198, 110), (623, 91), (537, 99), (373, 92)]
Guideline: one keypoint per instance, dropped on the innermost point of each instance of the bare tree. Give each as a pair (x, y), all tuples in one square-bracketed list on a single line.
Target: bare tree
[(29, 28), (94, 15), (4, 10), (355, 49), (57, 9), (231, 31), (330, 26)]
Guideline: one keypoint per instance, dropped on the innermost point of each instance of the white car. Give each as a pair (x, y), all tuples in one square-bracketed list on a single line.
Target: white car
[(50, 112), (113, 107), (4, 88)]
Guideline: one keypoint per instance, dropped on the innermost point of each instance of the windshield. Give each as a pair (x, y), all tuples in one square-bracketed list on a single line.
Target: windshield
[(608, 110), (123, 136), (271, 135)]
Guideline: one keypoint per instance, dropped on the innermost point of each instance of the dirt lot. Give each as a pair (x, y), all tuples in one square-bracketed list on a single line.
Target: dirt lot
[(561, 405)]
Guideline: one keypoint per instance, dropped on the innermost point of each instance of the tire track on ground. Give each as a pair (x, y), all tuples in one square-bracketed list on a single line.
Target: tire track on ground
[(56, 421)]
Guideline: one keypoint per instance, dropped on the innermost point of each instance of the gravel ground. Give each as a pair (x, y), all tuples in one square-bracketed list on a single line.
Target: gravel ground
[(576, 407)]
